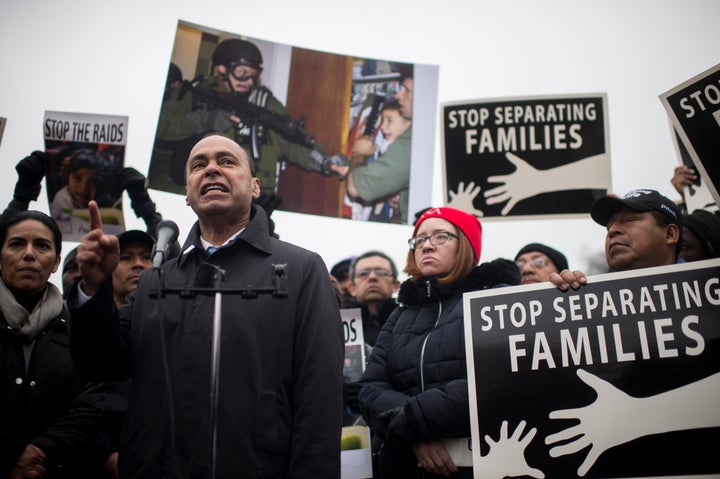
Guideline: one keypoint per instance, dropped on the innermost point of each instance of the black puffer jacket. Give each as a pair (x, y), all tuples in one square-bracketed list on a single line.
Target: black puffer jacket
[(48, 404), (418, 361)]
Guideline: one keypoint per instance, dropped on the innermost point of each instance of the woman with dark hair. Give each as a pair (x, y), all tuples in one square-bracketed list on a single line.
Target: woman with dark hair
[(414, 392), (48, 413)]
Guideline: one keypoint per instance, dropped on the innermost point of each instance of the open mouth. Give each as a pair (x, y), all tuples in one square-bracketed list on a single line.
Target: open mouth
[(213, 187)]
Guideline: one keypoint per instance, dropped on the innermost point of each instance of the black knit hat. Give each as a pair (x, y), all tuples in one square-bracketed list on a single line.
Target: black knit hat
[(558, 259), (706, 227), (69, 258)]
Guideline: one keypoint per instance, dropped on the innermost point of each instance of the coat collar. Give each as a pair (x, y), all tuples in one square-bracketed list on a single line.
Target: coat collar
[(496, 273), (256, 234)]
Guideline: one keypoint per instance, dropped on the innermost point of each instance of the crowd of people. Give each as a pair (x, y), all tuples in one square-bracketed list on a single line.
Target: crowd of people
[(108, 378)]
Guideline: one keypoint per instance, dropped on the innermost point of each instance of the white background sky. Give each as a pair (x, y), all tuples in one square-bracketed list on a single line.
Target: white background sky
[(111, 58)]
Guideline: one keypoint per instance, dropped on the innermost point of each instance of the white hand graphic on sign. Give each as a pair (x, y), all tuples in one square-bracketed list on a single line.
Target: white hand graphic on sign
[(615, 418), (463, 198), (507, 455), (527, 181)]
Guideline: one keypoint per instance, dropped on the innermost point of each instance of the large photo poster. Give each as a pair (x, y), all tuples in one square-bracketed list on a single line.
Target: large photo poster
[(529, 157), (619, 379), (694, 110), (85, 155), (329, 134)]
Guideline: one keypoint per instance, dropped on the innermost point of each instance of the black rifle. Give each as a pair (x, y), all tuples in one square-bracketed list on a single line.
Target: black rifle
[(252, 115)]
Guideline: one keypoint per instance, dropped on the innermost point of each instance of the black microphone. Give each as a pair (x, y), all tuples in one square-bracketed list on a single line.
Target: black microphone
[(166, 233)]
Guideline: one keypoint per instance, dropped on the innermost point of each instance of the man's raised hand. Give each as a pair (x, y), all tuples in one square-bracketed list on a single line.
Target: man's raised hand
[(98, 254)]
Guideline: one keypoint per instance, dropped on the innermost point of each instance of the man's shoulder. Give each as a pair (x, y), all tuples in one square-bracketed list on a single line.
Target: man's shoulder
[(281, 248)]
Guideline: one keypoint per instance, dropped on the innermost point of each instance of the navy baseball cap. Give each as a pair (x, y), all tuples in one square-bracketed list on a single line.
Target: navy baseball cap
[(638, 200), (135, 237)]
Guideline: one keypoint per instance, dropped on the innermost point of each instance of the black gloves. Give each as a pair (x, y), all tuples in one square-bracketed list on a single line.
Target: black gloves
[(402, 429), (30, 171), (133, 182), (323, 164), (350, 395), (209, 120)]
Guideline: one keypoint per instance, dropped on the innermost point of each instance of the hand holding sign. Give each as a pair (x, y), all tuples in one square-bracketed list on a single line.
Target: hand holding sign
[(98, 254), (434, 458)]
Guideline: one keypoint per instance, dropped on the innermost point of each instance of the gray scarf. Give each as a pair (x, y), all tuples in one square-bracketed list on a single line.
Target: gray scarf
[(29, 324)]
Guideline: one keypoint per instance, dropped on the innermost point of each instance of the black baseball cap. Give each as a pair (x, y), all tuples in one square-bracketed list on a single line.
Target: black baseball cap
[(638, 200), (135, 237)]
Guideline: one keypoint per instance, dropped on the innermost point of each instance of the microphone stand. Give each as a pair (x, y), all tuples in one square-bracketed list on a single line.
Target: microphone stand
[(278, 290), (215, 367)]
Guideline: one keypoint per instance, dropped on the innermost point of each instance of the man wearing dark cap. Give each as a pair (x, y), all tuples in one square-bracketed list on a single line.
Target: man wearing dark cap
[(701, 236), (644, 229), (135, 257), (537, 262)]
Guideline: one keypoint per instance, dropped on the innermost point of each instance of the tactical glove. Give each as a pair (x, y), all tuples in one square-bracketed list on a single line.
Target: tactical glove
[(209, 120), (323, 164)]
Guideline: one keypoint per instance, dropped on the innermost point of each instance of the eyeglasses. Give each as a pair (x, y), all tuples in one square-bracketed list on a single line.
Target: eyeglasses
[(379, 272), (436, 239), (535, 263)]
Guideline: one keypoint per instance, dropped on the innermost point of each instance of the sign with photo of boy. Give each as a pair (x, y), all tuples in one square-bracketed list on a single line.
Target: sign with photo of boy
[(292, 110), (618, 379), (530, 157), (85, 155), (694, 110)]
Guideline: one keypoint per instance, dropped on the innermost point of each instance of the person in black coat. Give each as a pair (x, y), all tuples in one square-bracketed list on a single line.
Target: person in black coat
[(49, 415), (414, 392), (279, 400)]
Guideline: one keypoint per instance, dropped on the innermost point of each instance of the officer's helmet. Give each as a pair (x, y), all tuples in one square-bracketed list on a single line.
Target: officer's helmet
[(239, 52)]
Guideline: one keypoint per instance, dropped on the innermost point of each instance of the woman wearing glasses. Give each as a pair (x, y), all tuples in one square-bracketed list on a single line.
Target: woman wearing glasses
[(414, 391)]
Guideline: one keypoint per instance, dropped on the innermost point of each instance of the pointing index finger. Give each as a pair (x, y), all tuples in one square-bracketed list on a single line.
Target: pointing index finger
[(95, 220)]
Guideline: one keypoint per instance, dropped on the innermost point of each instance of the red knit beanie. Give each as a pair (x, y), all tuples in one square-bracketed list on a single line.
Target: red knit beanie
[(467, 223)]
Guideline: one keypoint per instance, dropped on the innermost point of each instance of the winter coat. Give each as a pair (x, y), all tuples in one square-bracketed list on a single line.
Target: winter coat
[(418, 362), (280, 381), (48, 405)]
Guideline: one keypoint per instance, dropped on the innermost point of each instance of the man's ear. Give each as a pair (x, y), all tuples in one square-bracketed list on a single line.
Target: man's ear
[(672, 233), (396, 286), (351, 288)]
